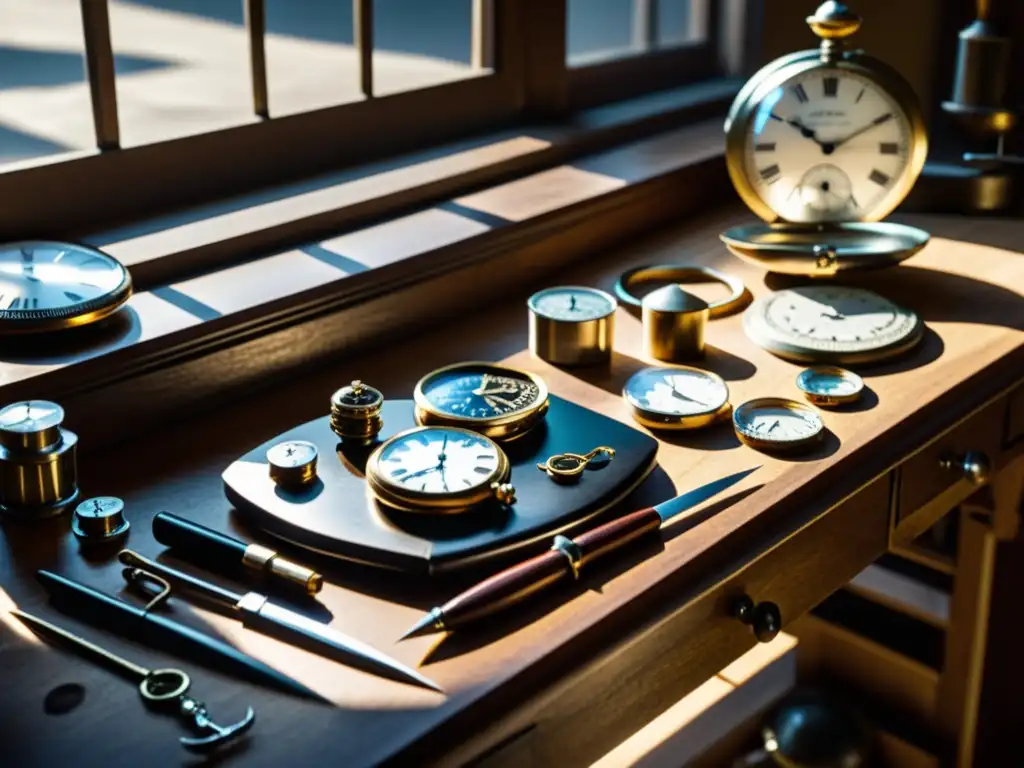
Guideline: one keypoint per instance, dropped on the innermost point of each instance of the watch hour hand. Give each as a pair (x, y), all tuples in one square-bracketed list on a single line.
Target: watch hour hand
[(680, 396)]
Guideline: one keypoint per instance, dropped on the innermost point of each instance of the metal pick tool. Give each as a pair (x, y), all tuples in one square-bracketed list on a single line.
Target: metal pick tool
[(161, 689)]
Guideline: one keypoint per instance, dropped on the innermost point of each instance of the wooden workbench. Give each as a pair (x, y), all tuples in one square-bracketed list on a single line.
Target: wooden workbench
[(566, 679)]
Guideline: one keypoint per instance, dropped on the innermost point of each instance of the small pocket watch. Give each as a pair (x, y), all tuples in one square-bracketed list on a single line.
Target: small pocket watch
[(676, 398), (439, 470), (499, 402), (818, 144), (777, 424)]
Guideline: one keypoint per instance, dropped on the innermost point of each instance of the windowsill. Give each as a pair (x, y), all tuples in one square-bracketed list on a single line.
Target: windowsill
[(367, 279)]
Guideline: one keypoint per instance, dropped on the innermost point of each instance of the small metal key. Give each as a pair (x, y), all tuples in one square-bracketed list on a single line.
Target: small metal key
[(163, 689)]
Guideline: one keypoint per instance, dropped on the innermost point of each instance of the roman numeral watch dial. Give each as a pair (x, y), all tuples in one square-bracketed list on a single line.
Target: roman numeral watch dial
[(47, 286), (829, 137), (440, 470), (827, 146)]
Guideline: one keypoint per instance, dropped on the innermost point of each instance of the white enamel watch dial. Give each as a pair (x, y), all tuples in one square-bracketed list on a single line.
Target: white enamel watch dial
[(828, 145), (775, 423), (439, 469), (833, 324), (440, 461), (48, 286)]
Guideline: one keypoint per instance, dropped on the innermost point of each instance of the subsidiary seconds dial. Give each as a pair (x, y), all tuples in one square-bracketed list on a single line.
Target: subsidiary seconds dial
[(828, 144)]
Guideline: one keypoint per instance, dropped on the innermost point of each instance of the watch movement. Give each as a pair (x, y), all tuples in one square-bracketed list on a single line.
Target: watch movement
[(439, 470), (499, 402), (676, 398), (47, 286), (831, 324)]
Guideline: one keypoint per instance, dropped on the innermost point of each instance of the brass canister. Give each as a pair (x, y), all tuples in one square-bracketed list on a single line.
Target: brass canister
[(673, 324)]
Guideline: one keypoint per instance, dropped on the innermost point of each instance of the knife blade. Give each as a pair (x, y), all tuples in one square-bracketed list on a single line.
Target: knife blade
[(258, 613), (566, 558)]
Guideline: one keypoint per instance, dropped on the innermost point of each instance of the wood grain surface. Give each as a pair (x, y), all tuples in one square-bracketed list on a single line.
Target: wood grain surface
[(606, 645)]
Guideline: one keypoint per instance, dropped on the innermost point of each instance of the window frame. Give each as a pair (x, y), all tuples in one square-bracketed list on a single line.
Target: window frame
[(71, 195)]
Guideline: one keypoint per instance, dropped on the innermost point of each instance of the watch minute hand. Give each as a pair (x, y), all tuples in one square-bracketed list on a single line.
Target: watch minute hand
[(859, 131)]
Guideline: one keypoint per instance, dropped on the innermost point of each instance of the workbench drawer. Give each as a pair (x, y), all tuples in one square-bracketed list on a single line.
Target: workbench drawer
[(938, 469), (819, 558), (613, 696)]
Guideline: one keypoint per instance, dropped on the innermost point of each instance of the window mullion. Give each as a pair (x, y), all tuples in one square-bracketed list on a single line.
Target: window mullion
[(99, 67)]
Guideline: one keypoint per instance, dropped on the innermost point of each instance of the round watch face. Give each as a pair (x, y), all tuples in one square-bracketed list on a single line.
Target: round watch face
[(777, 423), (828, 144), (500, 402), (572, 304), (439, 460), (675, 397), (47, 285), (831, 324)]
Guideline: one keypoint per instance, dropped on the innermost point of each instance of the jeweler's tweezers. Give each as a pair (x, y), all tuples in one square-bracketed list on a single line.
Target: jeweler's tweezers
[(141, 625)]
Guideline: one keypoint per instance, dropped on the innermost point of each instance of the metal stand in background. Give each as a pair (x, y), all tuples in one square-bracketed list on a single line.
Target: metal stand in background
[(979, 107)]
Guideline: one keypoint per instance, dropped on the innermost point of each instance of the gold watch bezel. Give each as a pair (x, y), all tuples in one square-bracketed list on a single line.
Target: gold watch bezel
[(776, 446), (822, 399), (774, 75), (506, 427), (454, 502), (667, 421)]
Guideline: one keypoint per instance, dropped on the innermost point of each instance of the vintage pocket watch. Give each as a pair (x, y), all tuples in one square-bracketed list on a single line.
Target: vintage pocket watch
[(440, 470), (777, 424), (49, 286), (821, 144), (676, 398), (498, 402)]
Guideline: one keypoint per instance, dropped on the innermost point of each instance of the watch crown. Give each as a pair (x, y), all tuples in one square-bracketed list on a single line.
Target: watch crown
[(504, 493), (833, 21)]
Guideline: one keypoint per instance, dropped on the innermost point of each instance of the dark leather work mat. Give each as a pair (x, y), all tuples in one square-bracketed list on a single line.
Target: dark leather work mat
[(338, 516)]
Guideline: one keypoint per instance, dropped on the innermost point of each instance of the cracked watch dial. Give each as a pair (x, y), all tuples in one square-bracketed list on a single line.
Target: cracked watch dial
[(831, 324), (47, 286), (676, 398), (497, 401), (828, 145)]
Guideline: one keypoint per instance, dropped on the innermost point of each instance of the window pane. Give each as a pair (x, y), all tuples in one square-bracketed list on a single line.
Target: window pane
[(598, 30), (681, 22), (312, 61), (44, 99), (418, 44), (195, 76)]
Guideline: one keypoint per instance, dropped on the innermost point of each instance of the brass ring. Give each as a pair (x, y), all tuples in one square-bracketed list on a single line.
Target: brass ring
[(674, 273)]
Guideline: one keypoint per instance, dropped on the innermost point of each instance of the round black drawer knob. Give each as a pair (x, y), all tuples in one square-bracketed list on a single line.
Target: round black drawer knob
[(764, 618)]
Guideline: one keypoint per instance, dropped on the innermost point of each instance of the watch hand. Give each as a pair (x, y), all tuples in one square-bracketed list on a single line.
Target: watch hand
[(773, 426), (679, 395), (863, 129), (420, 473), (809, 133)]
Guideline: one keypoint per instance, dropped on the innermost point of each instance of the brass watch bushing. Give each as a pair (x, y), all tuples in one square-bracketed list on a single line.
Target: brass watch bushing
[(38, 465), (355, 413)]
